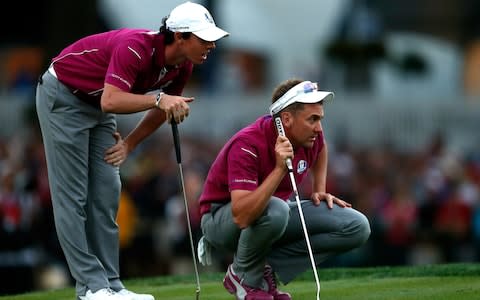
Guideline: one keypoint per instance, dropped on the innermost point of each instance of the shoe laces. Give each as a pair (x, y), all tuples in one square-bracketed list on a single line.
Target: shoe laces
[(270, 277), (109, 291)]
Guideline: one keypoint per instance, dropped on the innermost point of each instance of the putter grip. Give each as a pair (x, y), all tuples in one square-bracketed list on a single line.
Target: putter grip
[(281, 131), (176, 141)]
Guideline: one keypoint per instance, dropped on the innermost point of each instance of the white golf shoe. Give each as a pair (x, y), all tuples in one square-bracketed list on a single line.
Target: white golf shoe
[(134, 296), (104, 294)]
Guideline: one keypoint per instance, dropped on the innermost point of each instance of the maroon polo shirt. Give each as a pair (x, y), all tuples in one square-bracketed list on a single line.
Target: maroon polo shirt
[(130, 59), (248, 158)]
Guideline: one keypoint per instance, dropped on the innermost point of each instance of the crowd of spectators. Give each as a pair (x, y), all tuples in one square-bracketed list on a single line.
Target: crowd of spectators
[(424, 207)]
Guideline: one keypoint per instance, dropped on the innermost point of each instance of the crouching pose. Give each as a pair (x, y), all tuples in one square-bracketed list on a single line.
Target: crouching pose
[(245, 203)]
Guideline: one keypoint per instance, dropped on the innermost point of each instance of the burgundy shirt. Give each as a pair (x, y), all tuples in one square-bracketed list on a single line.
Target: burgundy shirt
[(248, 158), (130, 59)]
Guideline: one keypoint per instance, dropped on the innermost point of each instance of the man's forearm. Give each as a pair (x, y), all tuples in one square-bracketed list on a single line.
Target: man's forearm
[(246, 208)]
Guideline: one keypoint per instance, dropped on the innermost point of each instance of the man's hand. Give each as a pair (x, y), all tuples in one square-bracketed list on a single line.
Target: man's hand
[(175, 107), (317, 197), (283, 150), (116, 154)]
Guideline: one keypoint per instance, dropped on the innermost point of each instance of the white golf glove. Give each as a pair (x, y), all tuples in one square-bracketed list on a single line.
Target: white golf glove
[(204, 252)]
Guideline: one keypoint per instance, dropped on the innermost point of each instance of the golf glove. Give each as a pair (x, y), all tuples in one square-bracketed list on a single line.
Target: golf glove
[(204, 252)]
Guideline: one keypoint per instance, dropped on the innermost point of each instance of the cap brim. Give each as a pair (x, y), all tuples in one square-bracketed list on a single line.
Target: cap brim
[(309, 98), (211, 34), (314, 97)]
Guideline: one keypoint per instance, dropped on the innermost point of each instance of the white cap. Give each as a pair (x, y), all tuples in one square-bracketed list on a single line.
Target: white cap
[(304, 92), (193, 17)]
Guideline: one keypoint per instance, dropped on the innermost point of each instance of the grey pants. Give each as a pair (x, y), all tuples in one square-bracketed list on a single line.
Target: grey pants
[(277, 237), (85, 189)]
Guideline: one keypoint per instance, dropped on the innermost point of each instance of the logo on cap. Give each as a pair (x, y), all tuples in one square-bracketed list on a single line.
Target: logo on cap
[(309, 87), (209, 18)]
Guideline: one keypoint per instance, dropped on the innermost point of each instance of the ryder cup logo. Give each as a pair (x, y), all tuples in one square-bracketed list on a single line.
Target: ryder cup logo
[(301, 166), (309, 87)]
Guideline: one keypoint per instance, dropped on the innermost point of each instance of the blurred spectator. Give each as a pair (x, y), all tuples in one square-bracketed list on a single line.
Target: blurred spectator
[(342, 171), (452, 225), (399, 218), (22, 67), (24, 228), (476, 228), (177, 234), (127, 219)]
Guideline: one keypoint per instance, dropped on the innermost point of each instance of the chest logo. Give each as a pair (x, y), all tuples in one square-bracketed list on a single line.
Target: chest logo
[(301, 166)]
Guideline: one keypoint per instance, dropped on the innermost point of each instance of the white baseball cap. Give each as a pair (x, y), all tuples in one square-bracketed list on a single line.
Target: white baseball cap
[(194, 18), (304, 92)]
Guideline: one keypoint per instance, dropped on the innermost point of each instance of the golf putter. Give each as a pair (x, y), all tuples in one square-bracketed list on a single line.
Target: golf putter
[(288, 162), (176, 141)]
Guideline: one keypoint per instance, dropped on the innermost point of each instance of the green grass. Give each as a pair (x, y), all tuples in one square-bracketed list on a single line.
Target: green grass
[(439, 282)]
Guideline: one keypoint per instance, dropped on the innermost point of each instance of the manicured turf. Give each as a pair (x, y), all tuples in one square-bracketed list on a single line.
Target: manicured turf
[(448, 281)]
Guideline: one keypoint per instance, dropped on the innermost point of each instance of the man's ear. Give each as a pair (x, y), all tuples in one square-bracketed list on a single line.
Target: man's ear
[(178, 36)]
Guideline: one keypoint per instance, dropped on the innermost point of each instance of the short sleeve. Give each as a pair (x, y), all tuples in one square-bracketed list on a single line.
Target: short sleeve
[(126, 63), (243, 164)]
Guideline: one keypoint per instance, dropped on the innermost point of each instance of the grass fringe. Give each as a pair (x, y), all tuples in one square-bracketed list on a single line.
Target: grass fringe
[(459, 269)]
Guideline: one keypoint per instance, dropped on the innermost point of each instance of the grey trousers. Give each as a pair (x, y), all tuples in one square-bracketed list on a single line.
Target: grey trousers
[(277, 237), (85, 189)]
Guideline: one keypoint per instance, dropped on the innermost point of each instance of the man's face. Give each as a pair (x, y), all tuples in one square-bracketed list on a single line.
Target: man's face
[(304, 125), (197, 50)]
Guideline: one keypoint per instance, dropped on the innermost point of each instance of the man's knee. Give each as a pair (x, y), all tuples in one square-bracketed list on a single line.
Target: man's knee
[(361, 228), (276, 217)]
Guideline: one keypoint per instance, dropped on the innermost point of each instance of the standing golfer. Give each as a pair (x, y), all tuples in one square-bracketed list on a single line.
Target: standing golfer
[(245, 207), (120, 71)]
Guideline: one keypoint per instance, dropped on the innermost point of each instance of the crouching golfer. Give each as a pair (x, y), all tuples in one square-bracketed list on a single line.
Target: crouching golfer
[(245, 207)]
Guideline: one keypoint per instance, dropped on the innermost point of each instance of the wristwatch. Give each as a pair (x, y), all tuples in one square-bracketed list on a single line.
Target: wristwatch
[(158, 99)]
